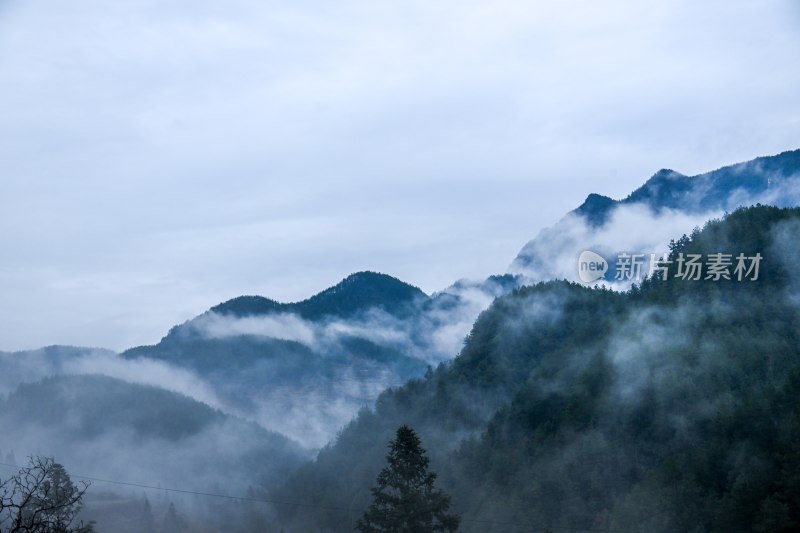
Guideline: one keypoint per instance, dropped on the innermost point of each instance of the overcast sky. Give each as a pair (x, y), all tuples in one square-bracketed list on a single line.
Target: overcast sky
[(157, 157)]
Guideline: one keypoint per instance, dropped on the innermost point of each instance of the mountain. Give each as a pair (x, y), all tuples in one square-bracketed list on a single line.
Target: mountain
[(669, 407), (596, 209), (357, 293), (33, 365), (723, 189), (101, 426), (667, 204), (160, 434), (305, 368)]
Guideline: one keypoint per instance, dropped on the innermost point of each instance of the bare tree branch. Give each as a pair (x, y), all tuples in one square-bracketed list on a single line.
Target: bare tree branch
[(41, 498)]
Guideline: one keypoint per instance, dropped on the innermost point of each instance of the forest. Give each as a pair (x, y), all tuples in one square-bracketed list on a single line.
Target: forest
[(670, 407)]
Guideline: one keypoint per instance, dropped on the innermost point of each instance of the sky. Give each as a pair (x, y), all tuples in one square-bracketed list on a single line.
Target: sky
[(157, 157)]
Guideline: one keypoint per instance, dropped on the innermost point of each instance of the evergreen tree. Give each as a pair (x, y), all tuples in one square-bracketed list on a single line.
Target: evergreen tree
[(148, 520), (404, 499), (173, 522)]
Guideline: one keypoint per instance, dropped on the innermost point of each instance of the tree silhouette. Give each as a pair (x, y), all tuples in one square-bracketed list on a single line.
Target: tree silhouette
[(173, 522), (404, 499), (41, 498)]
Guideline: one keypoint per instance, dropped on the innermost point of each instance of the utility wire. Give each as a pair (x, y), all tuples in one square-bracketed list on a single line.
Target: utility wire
[(195, 493), (306, 505)]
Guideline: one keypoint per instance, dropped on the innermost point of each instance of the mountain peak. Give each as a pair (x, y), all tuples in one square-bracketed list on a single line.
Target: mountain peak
[(367, 277), (359, 292), (356, 293), (666, 173), (665, 188), (596, 209), (247, 305)]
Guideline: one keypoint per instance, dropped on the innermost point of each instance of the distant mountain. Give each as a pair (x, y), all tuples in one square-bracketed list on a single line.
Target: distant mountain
[(33, 365), (669, 407), (667, 203), (355, 294), (305, 368), (139, 432), (723, 189), (59, 352), (318, 360), (106, 428), (230, 334)]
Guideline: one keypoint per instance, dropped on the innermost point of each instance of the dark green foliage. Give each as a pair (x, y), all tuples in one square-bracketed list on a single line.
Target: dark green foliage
[(404, 498), (673, 407)]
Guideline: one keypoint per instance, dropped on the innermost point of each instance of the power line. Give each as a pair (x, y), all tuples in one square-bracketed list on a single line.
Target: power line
[(306, 505), (196, 493)]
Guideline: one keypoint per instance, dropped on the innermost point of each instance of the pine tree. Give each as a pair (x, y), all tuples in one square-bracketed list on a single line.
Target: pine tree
[(148, 520), (173, 522), (404, 499)]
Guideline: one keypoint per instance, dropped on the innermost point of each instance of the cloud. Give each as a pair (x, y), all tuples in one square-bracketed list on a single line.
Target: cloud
[(209, 453), (195, 153), (34, 365), (782, 192), (632, 229), (285, 326), (145, 372), (434, 333), (309, 407), (311, 404)]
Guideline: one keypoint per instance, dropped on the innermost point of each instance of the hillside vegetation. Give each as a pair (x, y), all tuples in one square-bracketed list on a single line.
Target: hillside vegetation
[(672, 407)]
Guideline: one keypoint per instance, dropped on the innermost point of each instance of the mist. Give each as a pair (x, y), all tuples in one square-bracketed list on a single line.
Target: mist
[(307, 393), (158, 439), (350, 361), (632, 229)]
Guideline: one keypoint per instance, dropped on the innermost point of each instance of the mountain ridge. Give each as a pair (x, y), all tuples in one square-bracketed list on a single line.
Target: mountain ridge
[(667, 198), (667, 187), (355, 293)]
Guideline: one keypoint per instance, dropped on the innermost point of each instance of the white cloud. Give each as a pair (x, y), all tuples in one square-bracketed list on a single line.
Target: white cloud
[(145, 372), (285, 326), (262, 147), (31, 366), (632, 229)]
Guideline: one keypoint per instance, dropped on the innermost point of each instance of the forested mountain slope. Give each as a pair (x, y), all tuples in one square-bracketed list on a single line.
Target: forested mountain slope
[(671, 407)]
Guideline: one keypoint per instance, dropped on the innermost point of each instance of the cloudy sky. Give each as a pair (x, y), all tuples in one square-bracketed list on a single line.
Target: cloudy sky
[(159, 157)]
